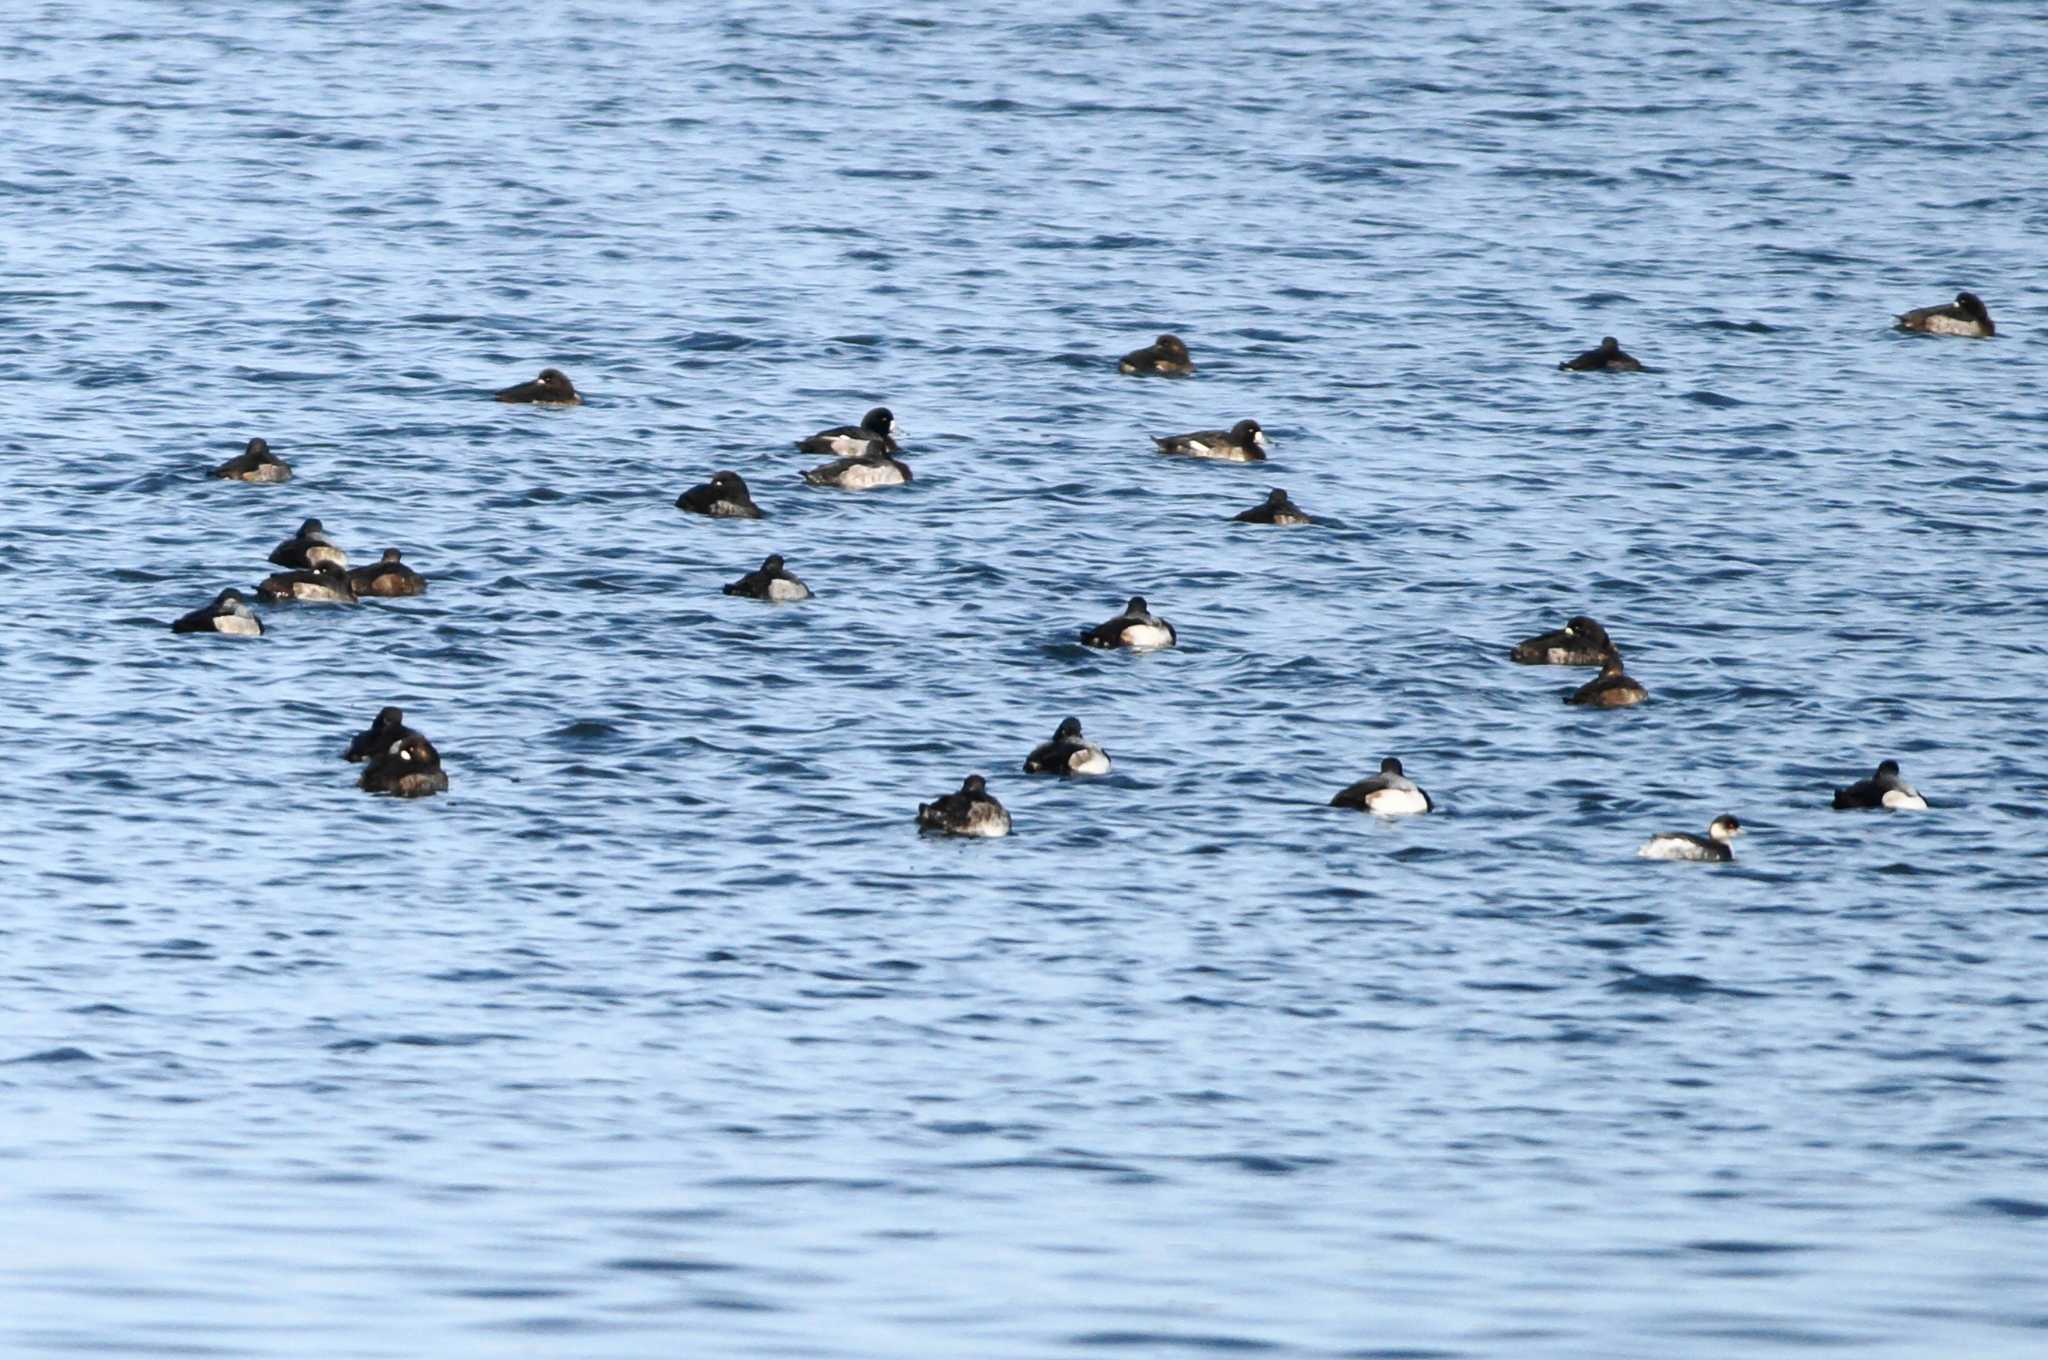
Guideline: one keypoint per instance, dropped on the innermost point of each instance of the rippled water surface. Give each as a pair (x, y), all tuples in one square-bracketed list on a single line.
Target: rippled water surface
[(664, 1032)]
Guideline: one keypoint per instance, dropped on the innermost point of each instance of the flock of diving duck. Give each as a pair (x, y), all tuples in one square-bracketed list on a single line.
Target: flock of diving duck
[(402, 762)]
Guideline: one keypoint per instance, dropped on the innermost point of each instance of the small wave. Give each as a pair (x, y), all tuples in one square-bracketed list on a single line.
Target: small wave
[(1155, 1342), (51, 1055), (668, 1265)]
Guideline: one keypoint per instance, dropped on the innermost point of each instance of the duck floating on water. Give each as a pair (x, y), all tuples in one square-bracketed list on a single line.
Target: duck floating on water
[(876, 433), (1275, 509), (1581, 642), (255, 463), (309, 547), (725, 496), (1684, 845), (1165, 357), (228, 614), (1244, 442), (321, 585), (1390, 793), (409, 767), (1614, 688), (388, 577), (1068, 753), (862, 473), (1137, 628), (1883, 789), (551, 388), (384, 730), (1965, 316), (973, 811), (771, 581), (1606, 357)]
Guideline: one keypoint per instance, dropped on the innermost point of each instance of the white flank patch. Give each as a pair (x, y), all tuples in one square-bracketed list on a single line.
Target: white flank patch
[(1668, 846), (1949, 325), (1903, 801), (1093, 760), (1146, 635), (1396, 802), (780, 589), (237, 625)]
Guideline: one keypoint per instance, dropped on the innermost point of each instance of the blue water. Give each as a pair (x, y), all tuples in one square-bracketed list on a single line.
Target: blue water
[(664, 1033)]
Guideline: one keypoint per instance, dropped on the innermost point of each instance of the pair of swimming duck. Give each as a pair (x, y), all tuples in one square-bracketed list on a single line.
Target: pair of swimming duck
[(1583, 642), (1167, 357), (874, 438), (868, 459), (726, 496), (396, 759), (1390, 793), (974, 811), (1137, 628), (1884, 789), (1244, 442), (1967, 315), (867, 454)]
